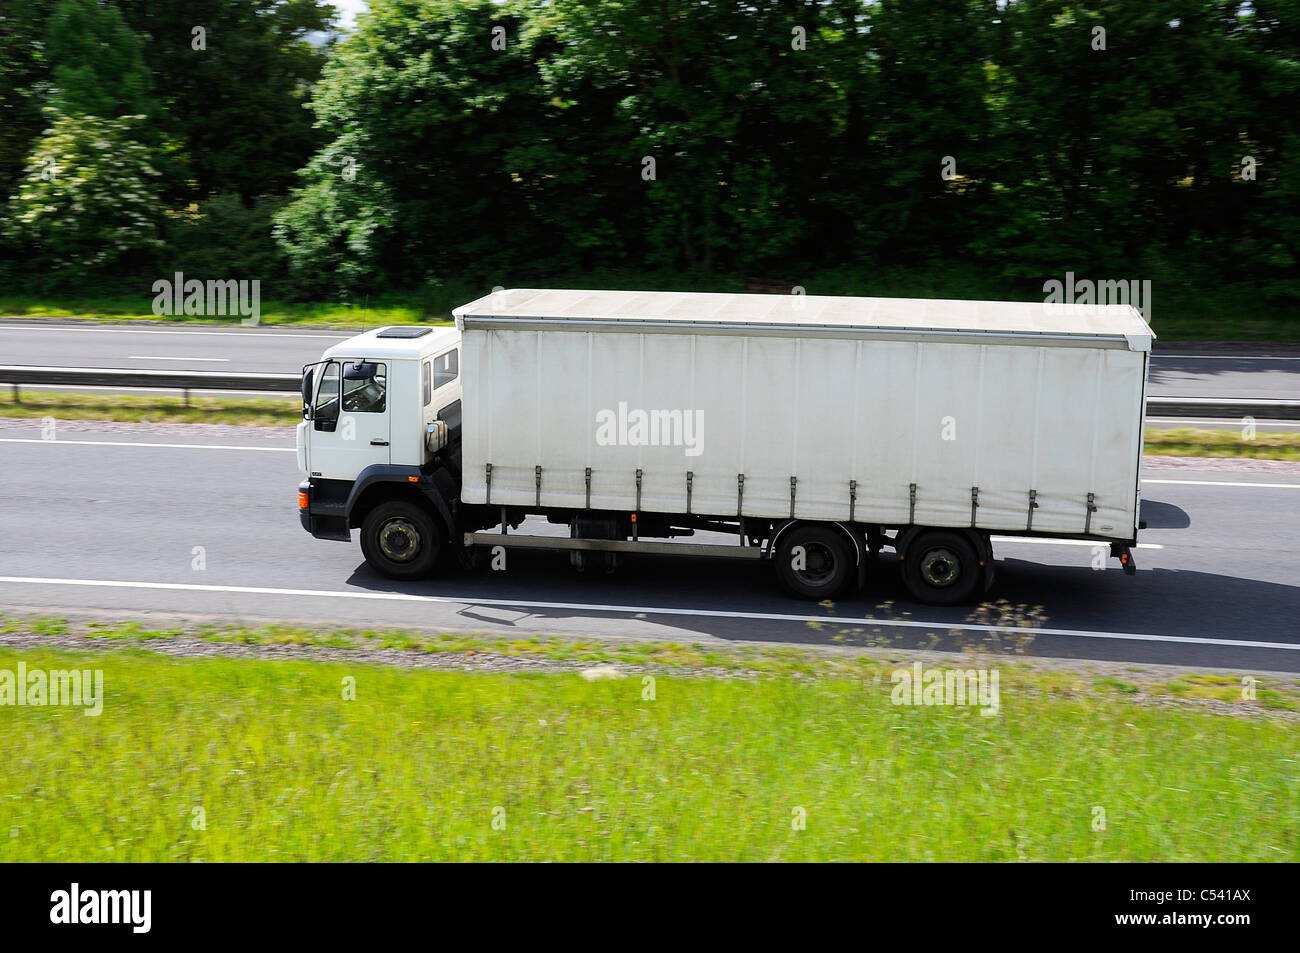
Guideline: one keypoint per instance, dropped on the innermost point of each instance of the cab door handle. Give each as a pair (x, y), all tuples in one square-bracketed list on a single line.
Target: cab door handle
[(379, 443)]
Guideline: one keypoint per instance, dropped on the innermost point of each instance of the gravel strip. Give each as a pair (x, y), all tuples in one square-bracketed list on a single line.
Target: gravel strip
[(188, 645), (184, 646), (1222, 464)]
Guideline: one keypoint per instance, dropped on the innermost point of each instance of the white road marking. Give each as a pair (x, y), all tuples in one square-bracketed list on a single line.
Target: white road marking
[(151, 357), (1064, 542), (647, 610), (1272, 486), (192, 331), (130, 443)]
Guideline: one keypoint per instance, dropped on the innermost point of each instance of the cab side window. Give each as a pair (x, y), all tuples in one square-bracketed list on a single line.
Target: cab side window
[(446, 367), (327, 393), (365, 388)]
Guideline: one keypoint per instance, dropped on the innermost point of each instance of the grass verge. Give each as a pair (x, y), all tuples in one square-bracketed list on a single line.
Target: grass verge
[(1189, 442), (396, 309), (222, 759)]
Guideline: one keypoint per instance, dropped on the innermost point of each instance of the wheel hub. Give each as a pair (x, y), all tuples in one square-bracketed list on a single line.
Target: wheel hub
[(399, 540), (819, 563), (940, 568)]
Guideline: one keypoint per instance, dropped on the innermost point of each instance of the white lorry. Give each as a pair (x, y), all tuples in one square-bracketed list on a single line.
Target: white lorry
[(812, 431)]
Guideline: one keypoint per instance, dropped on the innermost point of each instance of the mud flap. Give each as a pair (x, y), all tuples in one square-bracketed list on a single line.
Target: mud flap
[(469, 558), (986, 557), (1125, 557)]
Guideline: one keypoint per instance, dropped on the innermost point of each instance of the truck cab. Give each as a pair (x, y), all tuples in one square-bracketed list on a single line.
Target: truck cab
[(381, 424)]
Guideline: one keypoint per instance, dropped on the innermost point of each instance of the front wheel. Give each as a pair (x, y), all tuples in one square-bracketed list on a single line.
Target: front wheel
[(400, 540)]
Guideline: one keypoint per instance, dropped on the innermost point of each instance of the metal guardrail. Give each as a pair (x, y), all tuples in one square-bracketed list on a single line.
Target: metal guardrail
[(1265, 408), (131, 379)]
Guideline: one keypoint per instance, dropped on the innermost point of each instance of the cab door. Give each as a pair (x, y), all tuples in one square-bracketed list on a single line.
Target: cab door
[(350, 419)]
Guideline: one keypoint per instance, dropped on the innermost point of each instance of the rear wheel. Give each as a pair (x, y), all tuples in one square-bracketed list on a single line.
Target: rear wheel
[(597, 560), (401, 540), (941, 568), (814, 562)]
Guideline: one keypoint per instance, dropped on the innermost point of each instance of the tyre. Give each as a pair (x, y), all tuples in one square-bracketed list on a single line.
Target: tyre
[(597, 560), (814, 562), (942, 568), (401, 540)]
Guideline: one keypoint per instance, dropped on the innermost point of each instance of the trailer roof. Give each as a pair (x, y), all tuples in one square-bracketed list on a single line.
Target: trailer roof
[(1083, 325)]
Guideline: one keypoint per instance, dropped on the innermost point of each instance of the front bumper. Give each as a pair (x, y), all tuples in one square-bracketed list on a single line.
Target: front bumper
[(323, 525)]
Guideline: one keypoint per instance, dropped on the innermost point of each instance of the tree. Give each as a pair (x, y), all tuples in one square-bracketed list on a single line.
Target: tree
[(87, 201), (95, 63), (730, 101), (423, 106), (233, 77), (24, 74)]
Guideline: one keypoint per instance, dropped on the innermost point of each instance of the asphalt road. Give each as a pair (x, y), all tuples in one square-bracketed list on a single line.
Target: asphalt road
[(256, 350), (109, 517), (1185, 370)]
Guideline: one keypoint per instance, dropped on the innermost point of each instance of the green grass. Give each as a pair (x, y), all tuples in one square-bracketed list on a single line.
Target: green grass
[(394, 309), (1110, 683), (418, 765), (1187, 442)]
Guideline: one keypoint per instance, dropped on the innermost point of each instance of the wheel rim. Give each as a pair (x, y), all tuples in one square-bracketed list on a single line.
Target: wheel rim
[(819, 562), (399, 540), (940, 568)]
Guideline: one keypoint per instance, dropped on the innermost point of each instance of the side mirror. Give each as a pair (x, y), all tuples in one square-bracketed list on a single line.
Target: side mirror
[(306, 391), (359, 371)]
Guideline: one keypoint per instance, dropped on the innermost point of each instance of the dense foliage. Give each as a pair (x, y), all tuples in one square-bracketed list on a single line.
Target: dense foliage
[(129, 128), (501, 142)]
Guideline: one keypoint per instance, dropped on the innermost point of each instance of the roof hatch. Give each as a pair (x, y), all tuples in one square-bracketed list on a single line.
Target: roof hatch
[(404, 332)]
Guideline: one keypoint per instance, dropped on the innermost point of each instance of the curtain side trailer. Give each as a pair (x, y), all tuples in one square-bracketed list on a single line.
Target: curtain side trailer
[(812, 432)]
